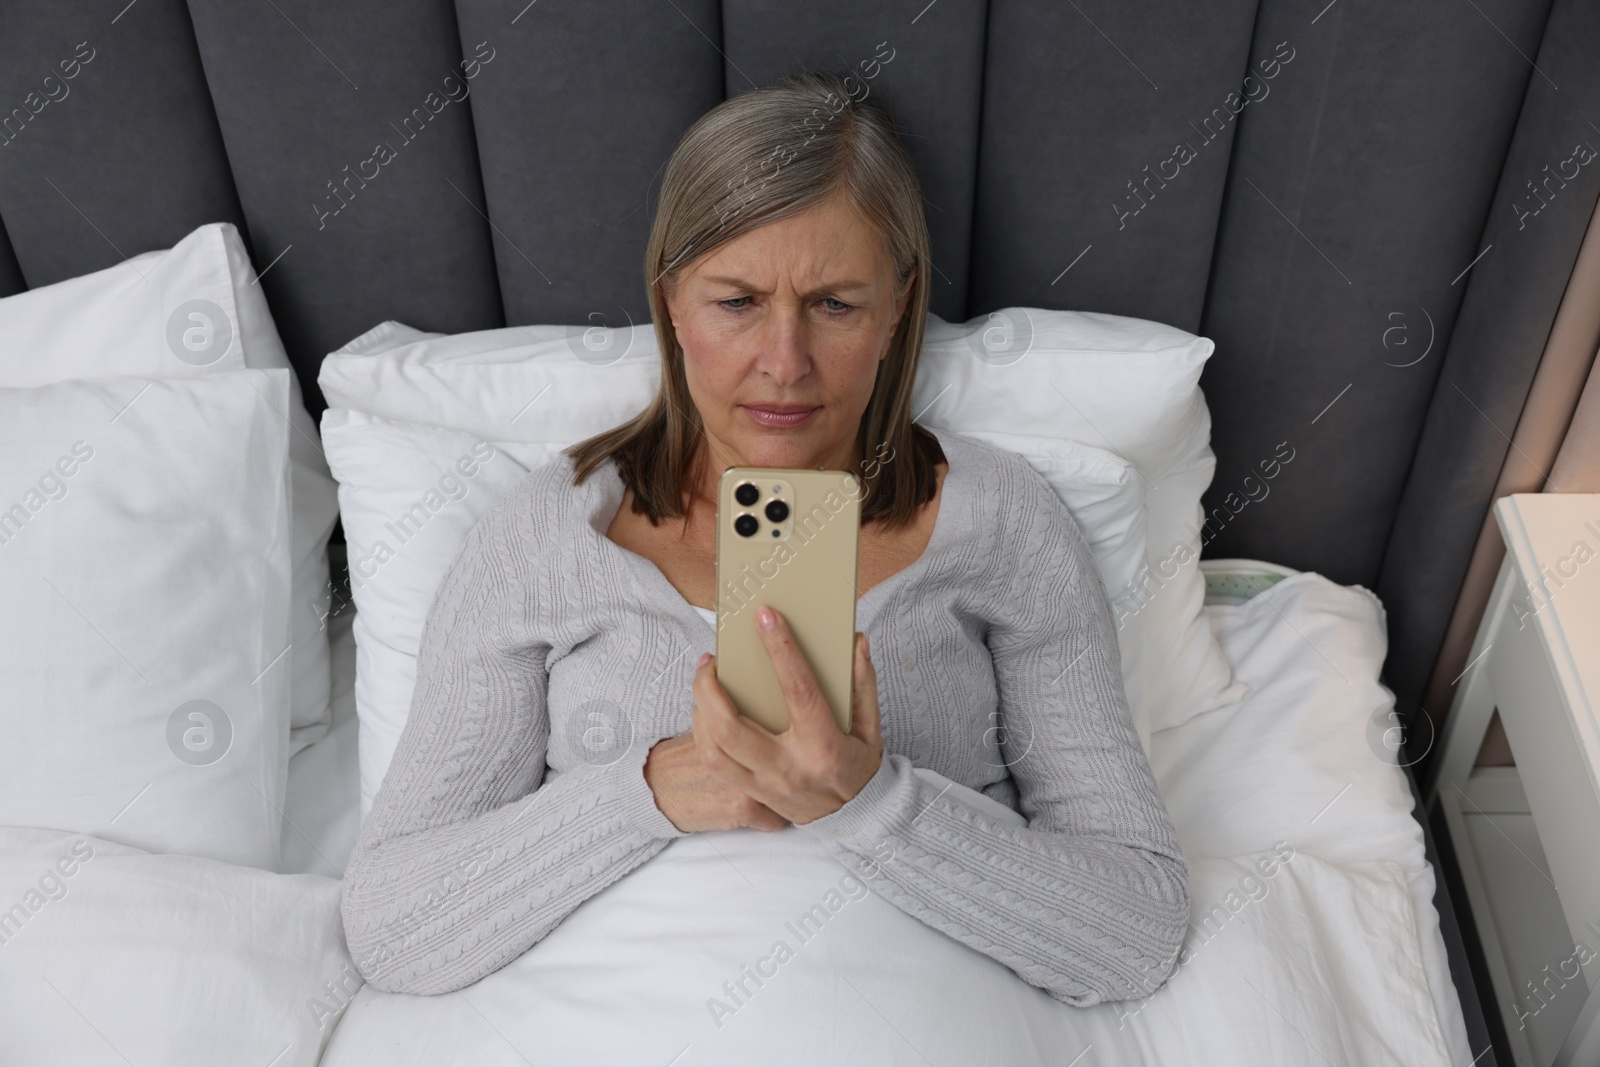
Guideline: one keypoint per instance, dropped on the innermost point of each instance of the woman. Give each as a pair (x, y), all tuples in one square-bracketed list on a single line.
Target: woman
[(567, 722)]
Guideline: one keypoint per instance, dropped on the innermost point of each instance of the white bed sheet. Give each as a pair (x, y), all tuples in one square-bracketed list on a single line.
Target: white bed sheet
[(1339, 959), (1303, 759)]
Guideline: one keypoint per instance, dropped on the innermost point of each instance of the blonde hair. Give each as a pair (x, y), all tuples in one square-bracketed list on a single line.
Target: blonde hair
[(760, 156)]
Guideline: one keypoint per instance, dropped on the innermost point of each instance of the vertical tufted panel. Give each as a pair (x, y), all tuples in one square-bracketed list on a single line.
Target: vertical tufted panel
[(1309, 183), (120, 158), (1357, 197), (1079, 99), (926, 64), (10, 273), (1537, 221), (575, 121), (349, 133)]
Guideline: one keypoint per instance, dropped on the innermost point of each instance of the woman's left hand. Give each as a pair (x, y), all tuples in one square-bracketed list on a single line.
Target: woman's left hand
[(810, 769)]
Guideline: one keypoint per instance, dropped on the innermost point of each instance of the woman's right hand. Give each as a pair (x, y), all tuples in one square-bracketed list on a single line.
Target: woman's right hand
[(694, 799)]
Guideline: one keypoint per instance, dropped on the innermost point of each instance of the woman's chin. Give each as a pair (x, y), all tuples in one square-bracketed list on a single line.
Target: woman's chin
[(760, 446)]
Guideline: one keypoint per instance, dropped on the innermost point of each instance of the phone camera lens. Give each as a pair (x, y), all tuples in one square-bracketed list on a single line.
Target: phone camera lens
[(746, 494), (777, 511), (746, 525)]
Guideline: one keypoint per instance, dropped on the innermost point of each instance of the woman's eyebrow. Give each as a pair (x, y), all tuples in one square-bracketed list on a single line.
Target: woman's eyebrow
[(843, 286)]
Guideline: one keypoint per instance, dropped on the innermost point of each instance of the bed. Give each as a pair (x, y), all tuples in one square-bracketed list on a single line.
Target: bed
[(1314, 937), (165, 927), (203, 256)]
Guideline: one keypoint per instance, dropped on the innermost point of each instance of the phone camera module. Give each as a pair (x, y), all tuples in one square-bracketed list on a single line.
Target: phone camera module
[(777, 511), (746, 494), (746, 525)]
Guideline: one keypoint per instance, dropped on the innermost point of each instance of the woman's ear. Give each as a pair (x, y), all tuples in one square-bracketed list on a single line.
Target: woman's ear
[(666, 298)]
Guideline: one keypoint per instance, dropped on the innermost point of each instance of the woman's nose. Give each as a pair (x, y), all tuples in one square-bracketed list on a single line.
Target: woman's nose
[(784, 353)]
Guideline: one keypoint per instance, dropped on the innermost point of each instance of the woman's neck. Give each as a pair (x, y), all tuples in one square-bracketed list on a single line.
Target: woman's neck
[(711, 461)]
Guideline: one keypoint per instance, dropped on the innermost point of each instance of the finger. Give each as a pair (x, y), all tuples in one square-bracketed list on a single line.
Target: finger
[(765, 819), (712, 708), (865, 719), (719, 728), (736, 774), (809, 713)]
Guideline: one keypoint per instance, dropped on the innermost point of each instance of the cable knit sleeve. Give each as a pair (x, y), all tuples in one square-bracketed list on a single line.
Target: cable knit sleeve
[(1089, 900), (468, 856)]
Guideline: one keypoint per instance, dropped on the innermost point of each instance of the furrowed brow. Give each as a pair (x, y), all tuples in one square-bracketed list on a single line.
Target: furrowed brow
[(843, 286)]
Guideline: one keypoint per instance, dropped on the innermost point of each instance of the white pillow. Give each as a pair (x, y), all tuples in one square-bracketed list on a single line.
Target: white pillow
[(534, 384), (409, 495), (189, 311), (1131, 386), (112, 955), (144, 554)]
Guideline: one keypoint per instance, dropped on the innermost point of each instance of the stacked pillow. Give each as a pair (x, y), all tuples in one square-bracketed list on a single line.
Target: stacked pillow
[(164, 515), (145, 559), (189, 311), (425, 432)]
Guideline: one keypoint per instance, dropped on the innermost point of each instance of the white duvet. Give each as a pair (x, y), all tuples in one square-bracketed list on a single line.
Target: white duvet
[(1314, 940)]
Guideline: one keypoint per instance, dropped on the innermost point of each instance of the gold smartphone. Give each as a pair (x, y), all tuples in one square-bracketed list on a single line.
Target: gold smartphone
[(787, 538)]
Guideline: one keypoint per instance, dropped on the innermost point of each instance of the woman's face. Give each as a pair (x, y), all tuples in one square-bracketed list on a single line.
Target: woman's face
[(795, 314)]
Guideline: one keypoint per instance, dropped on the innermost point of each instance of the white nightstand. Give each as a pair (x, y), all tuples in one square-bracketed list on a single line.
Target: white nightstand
[(1528, 837)]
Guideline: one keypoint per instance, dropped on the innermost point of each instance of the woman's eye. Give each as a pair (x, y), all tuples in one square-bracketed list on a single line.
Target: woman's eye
[(832, 305)]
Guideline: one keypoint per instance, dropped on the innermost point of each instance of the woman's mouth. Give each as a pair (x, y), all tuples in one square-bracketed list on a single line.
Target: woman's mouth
[(778, 416)]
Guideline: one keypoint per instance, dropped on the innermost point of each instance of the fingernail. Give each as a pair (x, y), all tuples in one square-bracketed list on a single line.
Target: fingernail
[(705, 657), (766, 618)]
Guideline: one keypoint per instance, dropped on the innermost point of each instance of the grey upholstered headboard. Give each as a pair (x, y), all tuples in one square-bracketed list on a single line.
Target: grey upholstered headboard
[(1318, 220)]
